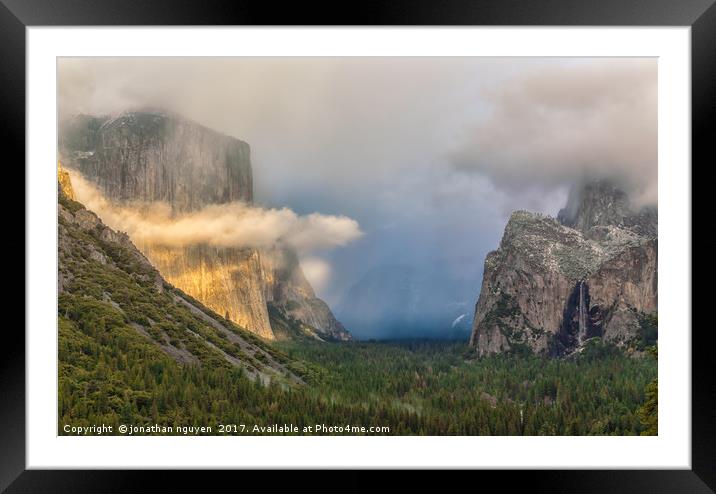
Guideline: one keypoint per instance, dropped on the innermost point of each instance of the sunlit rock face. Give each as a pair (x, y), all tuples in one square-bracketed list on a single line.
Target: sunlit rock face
[(555, 283), (154, 156), (227, 280), (64, 183)]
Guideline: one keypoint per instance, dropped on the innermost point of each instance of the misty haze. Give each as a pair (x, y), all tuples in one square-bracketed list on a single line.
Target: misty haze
[(428, 156), (321, 222)]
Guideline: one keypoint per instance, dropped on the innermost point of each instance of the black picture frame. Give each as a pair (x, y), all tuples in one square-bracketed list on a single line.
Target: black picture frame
[(16, 15)]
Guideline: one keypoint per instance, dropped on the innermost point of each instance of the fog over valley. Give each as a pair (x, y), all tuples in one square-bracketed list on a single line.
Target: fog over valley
[(390, 178)]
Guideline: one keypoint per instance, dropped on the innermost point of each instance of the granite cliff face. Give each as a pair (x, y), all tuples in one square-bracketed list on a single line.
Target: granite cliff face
[(600, 203), (555, 283), (154, 156), (289, 293), (228, 280)]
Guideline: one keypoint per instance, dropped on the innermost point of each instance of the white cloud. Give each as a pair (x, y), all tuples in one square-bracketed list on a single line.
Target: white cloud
[(221, 225), (317, 272)]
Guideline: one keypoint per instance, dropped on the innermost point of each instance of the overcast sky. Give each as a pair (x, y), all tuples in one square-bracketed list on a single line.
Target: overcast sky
[(428, 155)]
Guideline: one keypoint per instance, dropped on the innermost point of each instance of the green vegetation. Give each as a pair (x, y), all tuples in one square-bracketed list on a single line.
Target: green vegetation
[(110, 374), (596, 393), (649, 411), (648, 331), (72, 206), (122, 334), (131, 352)]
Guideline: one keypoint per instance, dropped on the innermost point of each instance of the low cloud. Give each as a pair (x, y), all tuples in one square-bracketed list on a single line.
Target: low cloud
[(221, 225), (575, 122), (317, 271), (404, 145)]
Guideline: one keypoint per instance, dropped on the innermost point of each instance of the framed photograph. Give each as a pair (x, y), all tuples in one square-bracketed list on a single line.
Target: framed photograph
[(419, 236)]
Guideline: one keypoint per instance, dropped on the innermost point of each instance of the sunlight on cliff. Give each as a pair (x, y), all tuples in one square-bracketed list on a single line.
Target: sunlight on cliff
[(232, 257), (234, 224)]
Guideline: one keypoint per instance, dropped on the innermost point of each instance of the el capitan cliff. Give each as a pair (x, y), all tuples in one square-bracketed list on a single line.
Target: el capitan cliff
[(155, 156)]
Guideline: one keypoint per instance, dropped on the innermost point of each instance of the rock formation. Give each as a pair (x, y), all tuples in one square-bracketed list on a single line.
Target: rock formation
[(600, 203), (228, 280), (289, 292), (64, 183), (155, 156), (555, 283)]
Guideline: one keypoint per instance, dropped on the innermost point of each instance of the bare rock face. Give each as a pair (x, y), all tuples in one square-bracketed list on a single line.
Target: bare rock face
[(288, 291), (601, 203), (155, 156), (554, 284), (227, 280), (150, 156)]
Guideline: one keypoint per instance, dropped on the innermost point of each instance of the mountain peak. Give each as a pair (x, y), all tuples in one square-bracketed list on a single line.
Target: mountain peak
[(602, 203)]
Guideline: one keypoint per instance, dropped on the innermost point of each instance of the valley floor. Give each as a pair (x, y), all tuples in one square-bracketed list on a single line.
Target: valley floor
[(405, 388), (443, 391)]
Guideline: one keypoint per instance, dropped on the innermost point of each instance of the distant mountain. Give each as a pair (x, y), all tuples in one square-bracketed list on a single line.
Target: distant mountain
[(400, 301), (152, 155), (553, 284)]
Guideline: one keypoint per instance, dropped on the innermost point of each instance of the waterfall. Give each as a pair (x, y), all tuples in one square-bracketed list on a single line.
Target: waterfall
[(582, 314)]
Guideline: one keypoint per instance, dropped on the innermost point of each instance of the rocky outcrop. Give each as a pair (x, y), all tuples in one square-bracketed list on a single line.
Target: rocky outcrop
[(601, 203), (73, 217), (555, 283), (64, 184), (288, 291), (150, 156)]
